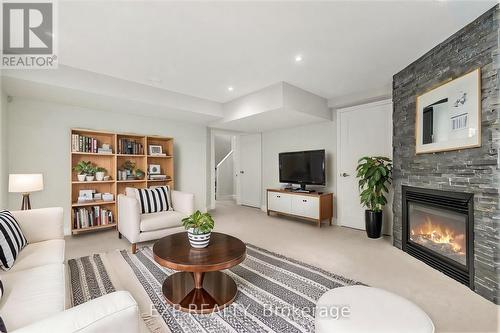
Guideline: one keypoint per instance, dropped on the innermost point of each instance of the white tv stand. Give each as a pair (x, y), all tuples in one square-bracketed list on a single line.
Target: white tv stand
[(313, 206)]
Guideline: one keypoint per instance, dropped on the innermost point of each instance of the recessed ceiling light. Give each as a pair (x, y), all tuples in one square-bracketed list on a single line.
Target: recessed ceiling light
[(298, 58), (230, 88)]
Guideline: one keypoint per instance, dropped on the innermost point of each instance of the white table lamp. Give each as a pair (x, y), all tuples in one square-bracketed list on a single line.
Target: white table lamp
[(25, 184)]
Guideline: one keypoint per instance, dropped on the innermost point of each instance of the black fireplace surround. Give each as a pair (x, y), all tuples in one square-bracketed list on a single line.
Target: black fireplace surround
[(438, 229)]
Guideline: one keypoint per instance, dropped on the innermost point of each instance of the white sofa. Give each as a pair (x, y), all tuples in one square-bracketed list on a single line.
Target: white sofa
[(137, 227), (35, 288)]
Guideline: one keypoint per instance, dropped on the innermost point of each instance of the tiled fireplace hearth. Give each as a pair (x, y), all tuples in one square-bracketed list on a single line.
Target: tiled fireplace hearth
[(438, 230)]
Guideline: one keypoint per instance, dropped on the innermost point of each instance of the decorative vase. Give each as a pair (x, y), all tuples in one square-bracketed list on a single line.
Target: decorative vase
[(99, 176), (373, 223), (198, 241), (81, 178), (89, 178)]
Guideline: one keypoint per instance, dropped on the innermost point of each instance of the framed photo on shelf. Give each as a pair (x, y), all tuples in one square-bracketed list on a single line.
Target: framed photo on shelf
[(155, 150), (154, 169)]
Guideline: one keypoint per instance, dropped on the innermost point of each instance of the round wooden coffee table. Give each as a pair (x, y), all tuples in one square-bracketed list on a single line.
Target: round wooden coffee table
[(200, 286)]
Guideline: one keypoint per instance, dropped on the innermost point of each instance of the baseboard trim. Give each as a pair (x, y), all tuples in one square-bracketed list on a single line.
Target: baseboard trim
[(225, 197)]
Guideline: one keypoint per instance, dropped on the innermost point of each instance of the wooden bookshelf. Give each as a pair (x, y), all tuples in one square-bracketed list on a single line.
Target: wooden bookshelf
[(113, 163)]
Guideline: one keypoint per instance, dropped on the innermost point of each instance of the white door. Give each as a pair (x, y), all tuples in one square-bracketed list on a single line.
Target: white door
[(364, 130), (249, 175)]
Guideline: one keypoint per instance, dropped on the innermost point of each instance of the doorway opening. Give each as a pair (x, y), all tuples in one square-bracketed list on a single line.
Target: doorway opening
[(235, 168), (225, 182)]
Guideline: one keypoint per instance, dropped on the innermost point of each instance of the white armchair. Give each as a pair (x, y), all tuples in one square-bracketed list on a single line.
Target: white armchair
[(137, 227)]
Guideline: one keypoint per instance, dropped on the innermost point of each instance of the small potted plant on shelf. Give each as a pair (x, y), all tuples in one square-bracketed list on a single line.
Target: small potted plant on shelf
[(139, 174), (199, 226), (82, 168), (100, 173), (91, 170), (374, 174)]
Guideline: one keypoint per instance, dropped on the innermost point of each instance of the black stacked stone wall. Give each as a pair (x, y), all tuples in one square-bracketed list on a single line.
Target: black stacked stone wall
[(473, 170)]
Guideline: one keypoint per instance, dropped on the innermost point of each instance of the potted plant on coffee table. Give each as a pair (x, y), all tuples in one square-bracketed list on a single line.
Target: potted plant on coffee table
[(199, 226), (374, 174), (82, 168)]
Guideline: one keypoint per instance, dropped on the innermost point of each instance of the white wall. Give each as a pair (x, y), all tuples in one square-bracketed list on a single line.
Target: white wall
[(3, 150), (309, 137), (39, 141)]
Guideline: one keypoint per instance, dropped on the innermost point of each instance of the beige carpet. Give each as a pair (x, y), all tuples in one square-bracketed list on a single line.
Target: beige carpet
[(452, 306)]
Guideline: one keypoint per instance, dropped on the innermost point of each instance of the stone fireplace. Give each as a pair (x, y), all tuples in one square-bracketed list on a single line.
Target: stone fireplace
[(438, 230), (475, 170)]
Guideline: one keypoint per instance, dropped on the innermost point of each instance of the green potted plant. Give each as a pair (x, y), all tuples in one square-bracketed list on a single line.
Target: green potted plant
[(82, 168), (91, 170), (139, 174), (199, 226), (100, 172), (374, 174)]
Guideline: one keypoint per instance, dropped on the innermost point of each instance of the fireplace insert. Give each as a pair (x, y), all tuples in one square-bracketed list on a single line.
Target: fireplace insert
[(438, 229)]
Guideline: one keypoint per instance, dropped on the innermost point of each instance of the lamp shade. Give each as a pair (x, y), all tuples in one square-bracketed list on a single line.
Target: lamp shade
[(25, 183)]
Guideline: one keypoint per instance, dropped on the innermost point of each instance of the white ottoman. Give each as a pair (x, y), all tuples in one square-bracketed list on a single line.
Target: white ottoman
[(369, 309)]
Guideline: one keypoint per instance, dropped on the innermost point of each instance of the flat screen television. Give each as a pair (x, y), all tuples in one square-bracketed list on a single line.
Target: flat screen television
[(303, 168)]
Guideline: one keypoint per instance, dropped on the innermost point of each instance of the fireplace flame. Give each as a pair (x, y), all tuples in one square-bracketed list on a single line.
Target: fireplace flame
[(439, 234)]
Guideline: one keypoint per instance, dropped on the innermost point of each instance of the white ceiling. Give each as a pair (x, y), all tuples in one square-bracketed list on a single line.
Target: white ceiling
[(351, 49), (109, 50)]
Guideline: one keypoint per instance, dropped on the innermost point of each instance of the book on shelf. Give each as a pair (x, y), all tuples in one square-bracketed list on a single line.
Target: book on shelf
[(130, 147), (91, 217), (83, 144), (104, 151), (158, 177)]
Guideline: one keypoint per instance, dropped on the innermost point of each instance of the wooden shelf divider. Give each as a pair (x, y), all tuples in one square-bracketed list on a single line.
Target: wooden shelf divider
[(112, 163)]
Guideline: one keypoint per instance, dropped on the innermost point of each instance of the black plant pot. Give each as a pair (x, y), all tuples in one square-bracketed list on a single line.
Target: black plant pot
[(373, 223)]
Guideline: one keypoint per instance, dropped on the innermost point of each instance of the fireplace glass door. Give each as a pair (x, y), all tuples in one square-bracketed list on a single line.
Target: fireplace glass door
[(439, 230)]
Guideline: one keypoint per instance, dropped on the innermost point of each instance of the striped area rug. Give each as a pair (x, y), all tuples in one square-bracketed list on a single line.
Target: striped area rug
[(89, 279), (275, 294)]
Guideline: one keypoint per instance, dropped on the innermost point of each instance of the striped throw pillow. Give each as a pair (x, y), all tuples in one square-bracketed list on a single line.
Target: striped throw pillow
[(154, 200), (12, 240), (2, 325), (3, 329)]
